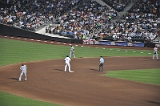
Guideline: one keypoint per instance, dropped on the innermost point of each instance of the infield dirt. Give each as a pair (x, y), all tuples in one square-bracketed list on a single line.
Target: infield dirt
[(86, 86)]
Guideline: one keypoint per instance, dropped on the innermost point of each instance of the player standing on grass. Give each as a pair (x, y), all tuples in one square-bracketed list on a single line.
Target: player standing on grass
[(23, 69), (67, 63), (155, 53), (72, 52), (101, 64)]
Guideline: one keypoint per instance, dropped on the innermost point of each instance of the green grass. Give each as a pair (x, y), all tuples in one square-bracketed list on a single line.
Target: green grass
[(150, 76), (12, 100), (14, 51)]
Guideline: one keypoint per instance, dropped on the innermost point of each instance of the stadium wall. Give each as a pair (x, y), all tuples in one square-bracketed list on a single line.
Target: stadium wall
[(16, 32)]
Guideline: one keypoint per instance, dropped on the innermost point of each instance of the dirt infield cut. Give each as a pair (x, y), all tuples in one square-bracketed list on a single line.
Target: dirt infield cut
[(86, 86)]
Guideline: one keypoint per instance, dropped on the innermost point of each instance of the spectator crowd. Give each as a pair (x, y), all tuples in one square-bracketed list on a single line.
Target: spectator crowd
[(86, 19), (31, 14), (80, 22), (118, 5)]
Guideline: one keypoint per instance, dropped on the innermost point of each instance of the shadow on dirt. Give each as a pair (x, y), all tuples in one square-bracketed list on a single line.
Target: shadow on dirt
[(94, 69), (154, 102), (58, 70), (14, 78)]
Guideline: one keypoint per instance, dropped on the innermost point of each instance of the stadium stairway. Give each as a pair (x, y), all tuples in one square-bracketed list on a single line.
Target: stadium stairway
[(43, 32)]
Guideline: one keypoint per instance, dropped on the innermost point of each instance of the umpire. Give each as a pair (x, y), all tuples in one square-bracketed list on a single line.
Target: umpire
[(101, 64)]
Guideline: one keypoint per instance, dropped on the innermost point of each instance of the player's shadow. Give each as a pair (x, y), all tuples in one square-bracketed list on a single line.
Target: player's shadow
[(94, 69), (58, 70), (153, 102), (14, 78)]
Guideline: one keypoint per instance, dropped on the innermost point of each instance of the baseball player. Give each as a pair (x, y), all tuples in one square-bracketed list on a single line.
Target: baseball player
[(67, 63), (155, 53), (101, 64), (72, 52), (23, 69)]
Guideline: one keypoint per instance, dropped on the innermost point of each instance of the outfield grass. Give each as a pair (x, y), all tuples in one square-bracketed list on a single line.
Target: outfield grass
[(14, 51), (12, 100), (150, 76)]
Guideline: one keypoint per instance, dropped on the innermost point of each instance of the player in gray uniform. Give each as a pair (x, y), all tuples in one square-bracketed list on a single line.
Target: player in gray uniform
[(23, 69), (155, 53), (101, 64), (72, 52)]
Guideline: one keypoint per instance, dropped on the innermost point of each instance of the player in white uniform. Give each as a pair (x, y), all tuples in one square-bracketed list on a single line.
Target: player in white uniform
[(23, 69), (67, 63), (72, 52), (155, 53)]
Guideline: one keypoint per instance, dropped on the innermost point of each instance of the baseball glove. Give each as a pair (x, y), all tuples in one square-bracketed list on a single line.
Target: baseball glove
[(72, 52)]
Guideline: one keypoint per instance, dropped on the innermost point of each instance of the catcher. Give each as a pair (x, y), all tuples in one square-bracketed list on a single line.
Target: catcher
[(72, 52)]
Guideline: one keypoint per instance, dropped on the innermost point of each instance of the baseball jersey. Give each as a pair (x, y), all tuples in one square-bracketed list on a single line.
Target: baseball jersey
[(155, 50), (23, 68), (72, 48), (67, 59)]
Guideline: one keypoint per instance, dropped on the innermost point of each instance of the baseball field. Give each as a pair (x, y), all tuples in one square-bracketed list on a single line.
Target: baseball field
[(130, 76)]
